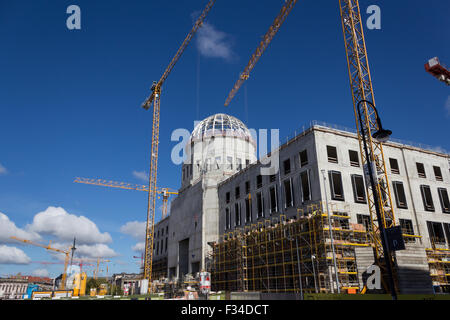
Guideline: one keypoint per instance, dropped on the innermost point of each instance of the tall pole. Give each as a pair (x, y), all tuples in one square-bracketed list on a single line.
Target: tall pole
[(299, 271), (387, 254), (331, 234)]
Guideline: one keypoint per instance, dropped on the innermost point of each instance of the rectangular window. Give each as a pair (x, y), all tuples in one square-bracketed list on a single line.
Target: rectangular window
[(421, 170), (273, 199), (288, 194), (227, 197), (218, 163), (400, 196), (258, 181), (227, 219), (248, 210), (165, 247), (359, 191), (447, 232), (272, 177), (229, 163), (364, 219), (287, 166), (332, 154), (337, 191), (303, 158), (394, 166), (436, 232), (237, 214), (443, 197), (247, 187), (247, 162), (306, 186), (407, 228), (239, 164), (437, 173), (237, 192), (260, 204), (354, 158), (427, 198)]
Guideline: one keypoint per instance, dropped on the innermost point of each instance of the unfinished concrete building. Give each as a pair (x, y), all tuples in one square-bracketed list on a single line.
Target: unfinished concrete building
[(219, 146), (320, 172), (246, 225)]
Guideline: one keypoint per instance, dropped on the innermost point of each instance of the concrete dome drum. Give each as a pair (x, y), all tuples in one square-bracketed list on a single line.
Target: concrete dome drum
[(219, 146), (221, 124)]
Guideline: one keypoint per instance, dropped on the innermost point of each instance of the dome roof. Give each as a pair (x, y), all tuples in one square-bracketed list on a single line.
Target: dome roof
[(223, 125)]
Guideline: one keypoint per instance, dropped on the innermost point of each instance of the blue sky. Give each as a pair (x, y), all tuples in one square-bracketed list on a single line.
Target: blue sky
[(70, 99)]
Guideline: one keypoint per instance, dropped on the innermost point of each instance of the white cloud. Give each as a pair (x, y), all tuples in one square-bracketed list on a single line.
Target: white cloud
[(141, 175), (135, 229), (13, 255), (9, 229), (40, 273), (65, 226), (139, 247), (213, 43), (95, 251), (3, 170)]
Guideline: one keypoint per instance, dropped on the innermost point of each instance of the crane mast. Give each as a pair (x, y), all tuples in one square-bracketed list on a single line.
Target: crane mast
[(362, 90), (155, 99)]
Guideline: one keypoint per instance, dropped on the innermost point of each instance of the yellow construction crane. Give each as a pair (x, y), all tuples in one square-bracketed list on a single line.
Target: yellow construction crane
[(98, 263), (164, 192), (48, 247), (155, 99), (368, 123)]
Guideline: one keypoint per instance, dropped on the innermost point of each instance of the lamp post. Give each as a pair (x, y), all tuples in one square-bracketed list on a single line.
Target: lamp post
[(381, 135)]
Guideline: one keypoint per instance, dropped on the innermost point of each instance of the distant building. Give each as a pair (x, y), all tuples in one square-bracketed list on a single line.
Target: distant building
[(127, 282), (16, 286)]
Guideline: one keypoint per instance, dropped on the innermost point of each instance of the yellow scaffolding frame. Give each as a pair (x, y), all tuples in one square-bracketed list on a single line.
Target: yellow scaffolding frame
[(263, 257)]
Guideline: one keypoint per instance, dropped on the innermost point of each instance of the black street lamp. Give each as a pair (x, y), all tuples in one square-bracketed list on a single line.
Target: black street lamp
[(381, 135)]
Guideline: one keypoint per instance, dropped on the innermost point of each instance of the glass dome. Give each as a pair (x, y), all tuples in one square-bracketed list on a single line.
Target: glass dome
[(221, 125)]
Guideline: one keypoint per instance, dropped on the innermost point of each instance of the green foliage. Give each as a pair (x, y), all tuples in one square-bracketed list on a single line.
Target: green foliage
[(94, 283)]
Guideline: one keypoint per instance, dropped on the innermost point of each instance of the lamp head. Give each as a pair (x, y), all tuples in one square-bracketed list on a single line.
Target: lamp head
[(382, 135)]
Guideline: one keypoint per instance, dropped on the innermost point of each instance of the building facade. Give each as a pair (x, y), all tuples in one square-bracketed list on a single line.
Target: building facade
[(224, 188), (322, 165)]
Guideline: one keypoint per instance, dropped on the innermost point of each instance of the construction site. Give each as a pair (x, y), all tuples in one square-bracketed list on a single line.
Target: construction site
[(332, 211)]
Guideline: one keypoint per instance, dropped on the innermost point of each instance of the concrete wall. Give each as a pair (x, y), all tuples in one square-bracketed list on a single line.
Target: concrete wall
[(290, 151)]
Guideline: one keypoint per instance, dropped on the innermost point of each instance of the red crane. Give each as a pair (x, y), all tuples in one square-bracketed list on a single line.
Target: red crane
[(437, 70)]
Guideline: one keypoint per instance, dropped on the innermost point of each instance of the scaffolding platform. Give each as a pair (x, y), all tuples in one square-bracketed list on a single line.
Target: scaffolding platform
[(273, 255)]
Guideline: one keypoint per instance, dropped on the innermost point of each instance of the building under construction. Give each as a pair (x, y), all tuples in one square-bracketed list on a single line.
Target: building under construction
[(245, 224), (288, 256)]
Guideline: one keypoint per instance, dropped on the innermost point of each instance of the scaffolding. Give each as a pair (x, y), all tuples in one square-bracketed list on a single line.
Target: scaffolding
[(439, 264), (159, 269), (273, 255)]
